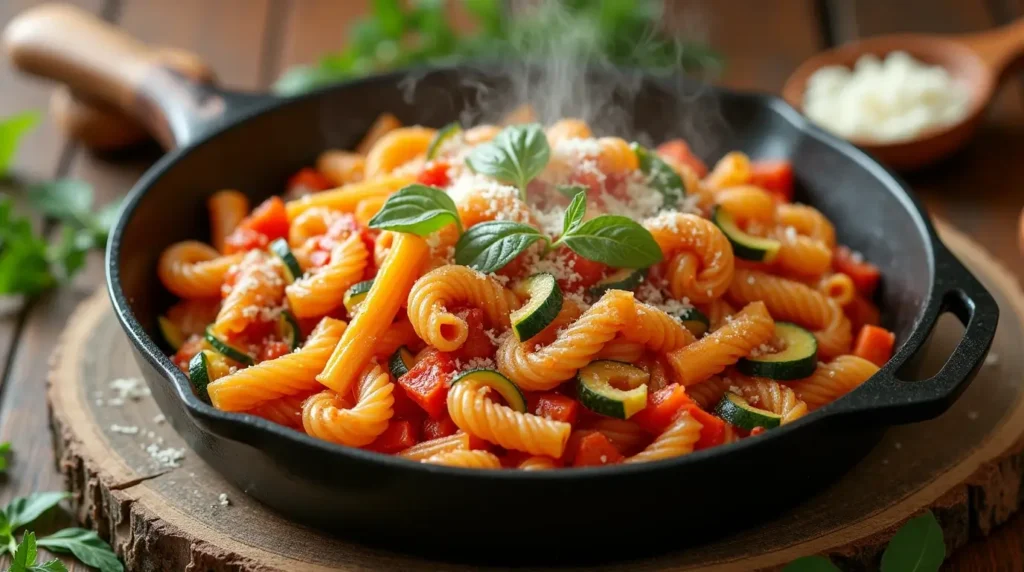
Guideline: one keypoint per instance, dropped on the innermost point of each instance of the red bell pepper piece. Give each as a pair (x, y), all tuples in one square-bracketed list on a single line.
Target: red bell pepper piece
[(307, 180), (775, 177), (399, 435), (434, 174), (595, 449), (678, 151), (437, 428), (478, 344), (874, 344), (557, 407), (428, 381), (864, 274), (665, 404)]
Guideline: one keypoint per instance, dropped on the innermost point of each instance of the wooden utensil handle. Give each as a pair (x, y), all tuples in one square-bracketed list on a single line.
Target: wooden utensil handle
[(101, 62), (1001, 49)]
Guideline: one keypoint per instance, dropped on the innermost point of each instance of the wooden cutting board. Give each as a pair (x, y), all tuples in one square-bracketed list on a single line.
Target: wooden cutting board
[(121, 462)]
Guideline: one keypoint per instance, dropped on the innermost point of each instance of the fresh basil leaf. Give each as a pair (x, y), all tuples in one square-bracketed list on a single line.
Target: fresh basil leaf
[(917, 546), (574, 214), (51, 566), (516, 155), (104, 221), (12, 129), (24, 510), (811, 564), (25, 554), (489, 15), (489, 246), (64, 199), (86, 545), (24, 268), (443, 134), (67, 256), (417, 209), (390, 17), (614, 240), (660, 175)]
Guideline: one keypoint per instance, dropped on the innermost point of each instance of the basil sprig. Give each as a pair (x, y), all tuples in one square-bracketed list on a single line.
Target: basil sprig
[(489, 246), (660, 175), (615, 240), (515, 156), (417, 209)]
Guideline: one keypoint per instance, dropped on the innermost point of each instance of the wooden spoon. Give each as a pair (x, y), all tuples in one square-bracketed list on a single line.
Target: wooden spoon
[(978, 61)]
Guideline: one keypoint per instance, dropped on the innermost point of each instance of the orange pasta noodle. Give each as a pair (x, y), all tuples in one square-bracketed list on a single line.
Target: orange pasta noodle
[(707, 277), (191, 269), (676, 440), (807, 221), (341, 167), (466, 460), (227, 209), (424, 450), (836, 337), (400, 333), (769, 395), (347, 198), (800, 254), (493, 202), (191, 316), (616, 157), (396, 148), (541, 368), (472, 410), (290, 374), (286, 411), (384, 124), (323, 289), (709, 392), (839, 287), (390, 288), (259, 286), (450, 286), (832, 380), (327, 415), (718, 312), (748, 329), (538, 463), (747, 203), (565, 129), (621, 349), (657, 330), (382, 246), (311, 223), (624, 434), (731, 170), (658, 369), (368, 208)]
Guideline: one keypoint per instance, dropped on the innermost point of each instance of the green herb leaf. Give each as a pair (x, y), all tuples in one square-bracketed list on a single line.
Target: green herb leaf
[(104, 221), (811, 564), (24, 510), (516, 155), (570, 191), (574, 214), (51, 566), (5, 448), (12, 129), (660, 175), (614, 240), (86, 545), (25, 555), (443, 134), (489, 15), (64, 199), (390, 17), (24, 268), (417, 209), (489, 246), (67, 256), (917, 546)]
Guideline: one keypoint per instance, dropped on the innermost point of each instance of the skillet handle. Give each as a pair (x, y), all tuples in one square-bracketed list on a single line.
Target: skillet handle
[(101, 62), (886, 399)]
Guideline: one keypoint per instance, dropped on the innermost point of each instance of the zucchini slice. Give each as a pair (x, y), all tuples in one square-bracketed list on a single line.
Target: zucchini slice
[(172, 333), (624, 279), (737, 411), (356, 294), (660, 175), (598, 387), (695, 321), (443, 134), (542, 306), (401, 362), (288, 329), (292, 270), (745, 246), (796, 361), (199, 374), (227, 350), (506, 389)]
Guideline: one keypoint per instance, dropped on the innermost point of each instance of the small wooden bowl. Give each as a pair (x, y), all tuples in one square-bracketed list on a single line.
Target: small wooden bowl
[(977, 61)]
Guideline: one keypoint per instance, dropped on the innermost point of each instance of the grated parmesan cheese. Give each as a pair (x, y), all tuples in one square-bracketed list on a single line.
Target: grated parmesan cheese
[(223, 500), (124, 429), (169, 457)]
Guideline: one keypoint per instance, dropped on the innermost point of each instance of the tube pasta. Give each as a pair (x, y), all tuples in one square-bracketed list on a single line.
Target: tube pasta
[(748, 329)]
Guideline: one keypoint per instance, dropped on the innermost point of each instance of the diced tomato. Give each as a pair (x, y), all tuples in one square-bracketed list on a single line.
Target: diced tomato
[(864, 274), (756, 431), (588, 270), (273, 350), (662, 406), (557, 407), (861, 311), (407, 409), (678, 151), (591, 179), (399, 435), (243, 240), (187, 351), (712, 431), (874, 344), (478, 344), (437, 428), (594, 450), (428, 381), (434, 174), (307, 180), (775, 177)]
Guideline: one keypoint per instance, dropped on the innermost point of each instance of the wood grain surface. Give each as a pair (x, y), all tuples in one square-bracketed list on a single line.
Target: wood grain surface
[(148, 509), (249, 43)]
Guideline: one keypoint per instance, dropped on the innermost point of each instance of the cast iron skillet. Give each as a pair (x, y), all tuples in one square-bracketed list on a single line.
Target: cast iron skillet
[(220, 139)]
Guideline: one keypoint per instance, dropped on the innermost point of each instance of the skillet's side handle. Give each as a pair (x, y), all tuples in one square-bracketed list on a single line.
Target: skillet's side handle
[(888, 400), (101, 62)]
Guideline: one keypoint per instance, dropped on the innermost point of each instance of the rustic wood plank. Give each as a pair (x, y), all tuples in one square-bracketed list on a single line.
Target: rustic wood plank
[(229, 35)]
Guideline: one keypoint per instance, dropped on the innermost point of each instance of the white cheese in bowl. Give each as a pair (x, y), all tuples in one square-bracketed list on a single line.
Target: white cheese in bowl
[(884, 100)]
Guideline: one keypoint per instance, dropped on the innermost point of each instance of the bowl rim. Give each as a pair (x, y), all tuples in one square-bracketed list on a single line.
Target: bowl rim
[(231, 425)]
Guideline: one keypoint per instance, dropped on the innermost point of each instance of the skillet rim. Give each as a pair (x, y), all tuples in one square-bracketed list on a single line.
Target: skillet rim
[(228, 425)]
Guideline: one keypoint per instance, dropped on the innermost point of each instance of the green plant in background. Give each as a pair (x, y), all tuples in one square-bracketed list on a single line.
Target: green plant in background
[(622, 32), (918, 546)]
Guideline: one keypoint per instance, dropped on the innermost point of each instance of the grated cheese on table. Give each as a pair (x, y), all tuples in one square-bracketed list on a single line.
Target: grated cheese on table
[(169, 457), (124, 429)]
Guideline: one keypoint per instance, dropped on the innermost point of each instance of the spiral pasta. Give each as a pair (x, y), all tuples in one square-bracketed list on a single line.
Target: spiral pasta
[(286, 411), (709, 270), (227, 208), (323, 290), (657, 330), (748, 329), (466, 459), (424, 450), (832, 380), (259, 285), (290, 374), (769, 395), (396, 148), (807, 221), (472, 411), (327, 415), (538, 463), (448, 286), (676, 440), (747, 203), (191, 269)]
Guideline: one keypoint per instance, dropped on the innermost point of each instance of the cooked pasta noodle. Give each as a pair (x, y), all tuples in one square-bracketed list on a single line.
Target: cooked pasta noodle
[(347, 198), (396, 148), (839, 287), (657, 330), (832, 380), (331, 417), (341, 167), (286, 411), (466, 459), (259, 286), (427, 449), (748, 329), (708, 275), (323, 289), (538, 463), (191, 269), (676, 440), (807, 221), (227, 209)]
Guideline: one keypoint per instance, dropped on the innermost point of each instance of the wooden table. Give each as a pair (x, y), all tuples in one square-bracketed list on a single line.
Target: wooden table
[(249, 42)]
